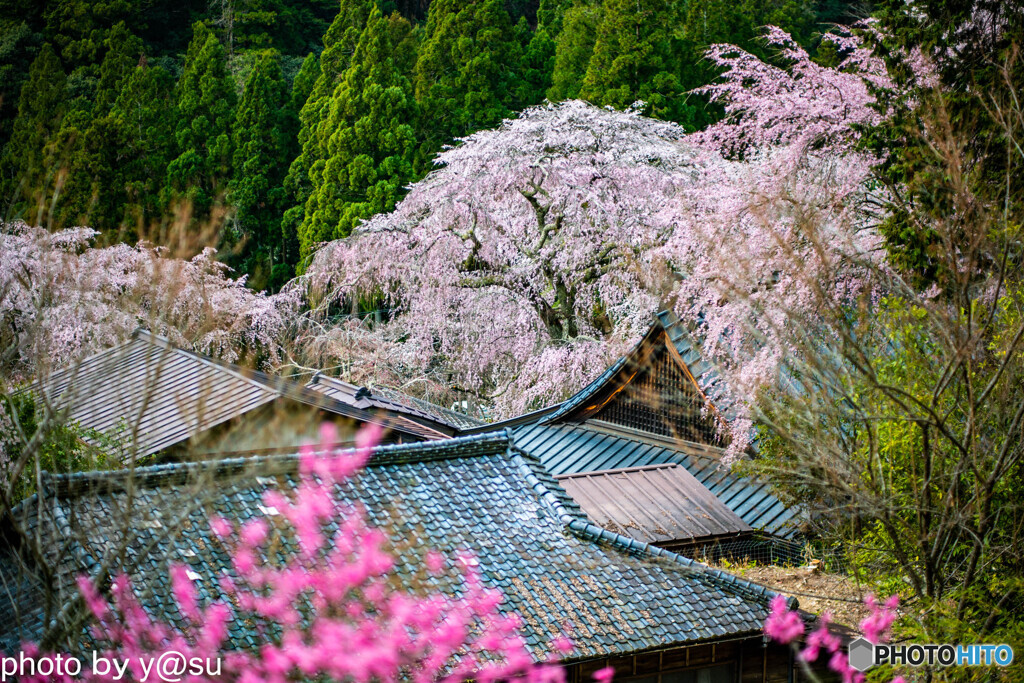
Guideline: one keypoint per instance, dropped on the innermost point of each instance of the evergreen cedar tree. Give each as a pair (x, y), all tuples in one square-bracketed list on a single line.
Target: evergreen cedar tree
[(74, 156), (636, 58), (339, 45), (205, 97), (371, 128), (256, 190)]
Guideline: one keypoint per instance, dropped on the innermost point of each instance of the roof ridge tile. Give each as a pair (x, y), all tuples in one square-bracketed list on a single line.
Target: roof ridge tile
[(154, 476)]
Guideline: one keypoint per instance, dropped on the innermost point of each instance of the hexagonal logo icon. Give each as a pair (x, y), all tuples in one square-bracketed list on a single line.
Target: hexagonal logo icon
[(862, 654)]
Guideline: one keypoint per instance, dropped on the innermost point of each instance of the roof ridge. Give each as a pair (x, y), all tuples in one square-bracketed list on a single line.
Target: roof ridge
[(617, 470), (390, 398), (580, 526), (534, 416), (648, 439), (153, 476)]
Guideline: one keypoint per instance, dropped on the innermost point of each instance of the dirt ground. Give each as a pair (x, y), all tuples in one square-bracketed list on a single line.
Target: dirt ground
[(816, 591)]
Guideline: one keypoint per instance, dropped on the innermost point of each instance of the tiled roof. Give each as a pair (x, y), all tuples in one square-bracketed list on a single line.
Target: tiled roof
[(390, 400), (472, 493), (160, 395), (662, 504), (593, 446)]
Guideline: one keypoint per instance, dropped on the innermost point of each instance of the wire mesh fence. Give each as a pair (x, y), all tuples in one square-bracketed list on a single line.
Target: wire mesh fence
[(764, 549)]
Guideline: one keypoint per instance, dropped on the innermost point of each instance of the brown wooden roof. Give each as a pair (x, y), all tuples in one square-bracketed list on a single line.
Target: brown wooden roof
[(662, 504)]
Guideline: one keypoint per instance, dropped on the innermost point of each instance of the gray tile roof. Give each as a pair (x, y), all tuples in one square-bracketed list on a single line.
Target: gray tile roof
[(662, 504), (155, 395), (383, 398), (475, 493), (592, 446)]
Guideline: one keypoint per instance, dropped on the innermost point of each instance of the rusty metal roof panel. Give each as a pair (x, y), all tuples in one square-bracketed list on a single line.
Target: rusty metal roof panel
[(653, 504), (591, 447)]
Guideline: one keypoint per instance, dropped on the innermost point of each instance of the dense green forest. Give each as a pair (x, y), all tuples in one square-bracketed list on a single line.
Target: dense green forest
[(279, 124)]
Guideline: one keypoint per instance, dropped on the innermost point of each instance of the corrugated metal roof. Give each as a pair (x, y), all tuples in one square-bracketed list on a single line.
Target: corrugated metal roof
[(592, 446), (557, 571), (151, 395), (662, 504), (390, 400)]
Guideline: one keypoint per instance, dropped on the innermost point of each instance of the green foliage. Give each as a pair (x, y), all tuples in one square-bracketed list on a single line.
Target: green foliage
[(78, 28), (123, 51), (128, 113), (205, 98), (28, 179), (86, 145), (19, 45), (465, 73), (636, 57), (372, 140), (617, 52), (536, 64), (986, 61), (296, 181), (256, 191), (573, 49), (142, 119), (339, 45), (916, 469), (63, 448)]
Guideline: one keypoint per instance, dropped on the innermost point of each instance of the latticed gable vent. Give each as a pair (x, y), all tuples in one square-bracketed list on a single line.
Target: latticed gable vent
[(662, 399)]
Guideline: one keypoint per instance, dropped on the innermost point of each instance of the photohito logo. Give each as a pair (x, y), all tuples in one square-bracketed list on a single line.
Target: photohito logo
[(864, 654)]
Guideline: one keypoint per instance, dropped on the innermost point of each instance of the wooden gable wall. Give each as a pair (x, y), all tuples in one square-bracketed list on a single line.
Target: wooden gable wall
[(654, 392)]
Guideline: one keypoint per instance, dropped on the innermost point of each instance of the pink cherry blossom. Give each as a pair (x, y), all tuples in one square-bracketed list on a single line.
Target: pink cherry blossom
[(786, 626), (538, 252), (783, 625), (64, 298)]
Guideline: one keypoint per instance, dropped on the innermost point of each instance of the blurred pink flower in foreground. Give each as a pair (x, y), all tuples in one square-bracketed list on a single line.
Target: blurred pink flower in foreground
[(329, 609), (786, 626)]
